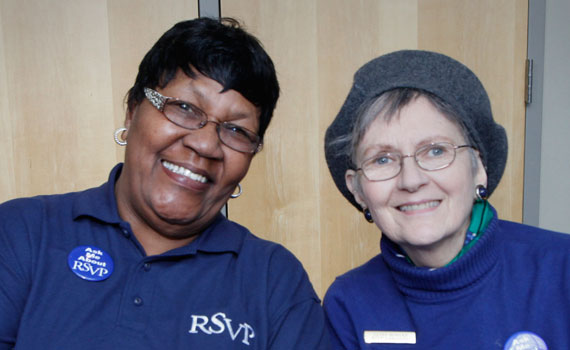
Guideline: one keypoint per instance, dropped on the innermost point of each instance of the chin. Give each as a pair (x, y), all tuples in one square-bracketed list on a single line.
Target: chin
[(423, 239), (175, 214)]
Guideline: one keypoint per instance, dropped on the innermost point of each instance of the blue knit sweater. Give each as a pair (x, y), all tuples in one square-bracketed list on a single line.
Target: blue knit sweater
[(511, 290)]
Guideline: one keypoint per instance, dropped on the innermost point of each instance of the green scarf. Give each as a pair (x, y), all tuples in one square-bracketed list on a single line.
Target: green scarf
[(480, 218)]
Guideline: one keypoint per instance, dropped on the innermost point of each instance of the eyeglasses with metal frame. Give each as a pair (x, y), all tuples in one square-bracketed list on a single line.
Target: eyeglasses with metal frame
[(187, 116), (387, 165)]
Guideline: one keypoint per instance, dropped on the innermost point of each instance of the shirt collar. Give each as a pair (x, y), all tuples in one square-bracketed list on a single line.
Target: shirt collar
[(222, 235), (100, 203)]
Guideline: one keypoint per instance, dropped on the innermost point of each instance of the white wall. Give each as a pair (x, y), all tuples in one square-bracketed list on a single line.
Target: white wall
[(555, 150)]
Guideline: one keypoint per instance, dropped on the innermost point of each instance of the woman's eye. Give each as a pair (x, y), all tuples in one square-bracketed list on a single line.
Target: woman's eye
[(234, 129), (383, 160), (436, 151), (184, 109)]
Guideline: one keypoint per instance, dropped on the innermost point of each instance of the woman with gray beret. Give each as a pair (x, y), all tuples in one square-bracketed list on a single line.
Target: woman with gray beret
[(416, 149)]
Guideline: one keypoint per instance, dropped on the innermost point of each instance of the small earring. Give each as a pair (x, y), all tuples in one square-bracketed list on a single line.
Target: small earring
[(368, 215), (119, 132), (239, 192), (481, 193)]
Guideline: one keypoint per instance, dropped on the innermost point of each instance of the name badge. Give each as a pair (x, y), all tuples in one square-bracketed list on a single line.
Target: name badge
[(389, 337)]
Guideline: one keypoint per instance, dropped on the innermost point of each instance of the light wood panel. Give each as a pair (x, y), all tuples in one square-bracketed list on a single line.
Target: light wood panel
[(135, 26), (489, 36), (56, 99), (280, 200), (317, 46), (65, 68), (7, 177)]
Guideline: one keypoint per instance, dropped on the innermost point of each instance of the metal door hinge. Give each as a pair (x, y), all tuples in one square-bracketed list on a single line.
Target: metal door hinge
[(528, 82)]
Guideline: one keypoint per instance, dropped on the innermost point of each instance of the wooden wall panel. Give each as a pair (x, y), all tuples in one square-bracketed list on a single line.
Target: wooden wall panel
[(317, 46), (360, 31), (280, 200), (135, 26), (489, 36), (289, 195), (65, 68), (7, 175), (56, 97)]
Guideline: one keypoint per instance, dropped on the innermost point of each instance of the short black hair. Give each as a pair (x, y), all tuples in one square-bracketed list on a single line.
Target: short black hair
[(220, 50)]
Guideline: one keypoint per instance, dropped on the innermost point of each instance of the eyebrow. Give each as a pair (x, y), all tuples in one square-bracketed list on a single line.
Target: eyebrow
[(239, 115), (388, 148)]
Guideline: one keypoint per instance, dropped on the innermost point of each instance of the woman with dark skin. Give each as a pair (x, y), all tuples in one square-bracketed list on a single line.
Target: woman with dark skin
[(147, 261)]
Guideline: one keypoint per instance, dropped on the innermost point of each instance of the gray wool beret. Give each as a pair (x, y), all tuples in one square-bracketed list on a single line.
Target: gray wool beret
[(432, 72)]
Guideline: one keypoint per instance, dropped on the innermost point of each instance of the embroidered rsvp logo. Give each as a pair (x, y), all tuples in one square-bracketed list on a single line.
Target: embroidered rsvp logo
[(219, 324)]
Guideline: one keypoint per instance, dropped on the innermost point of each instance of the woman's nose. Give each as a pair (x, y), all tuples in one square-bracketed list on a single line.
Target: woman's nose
[(205, 141), (411, 177)]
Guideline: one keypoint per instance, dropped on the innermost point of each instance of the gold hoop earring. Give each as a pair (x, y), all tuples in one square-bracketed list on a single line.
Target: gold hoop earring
[(119, 132)]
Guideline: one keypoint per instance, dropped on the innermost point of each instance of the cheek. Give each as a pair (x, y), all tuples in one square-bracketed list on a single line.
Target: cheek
[(236, 165), (461, 185), (149, 134), (375, 194)]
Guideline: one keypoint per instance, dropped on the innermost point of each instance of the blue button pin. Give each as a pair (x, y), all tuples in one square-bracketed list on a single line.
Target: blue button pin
[(90, 263), (525, 341)]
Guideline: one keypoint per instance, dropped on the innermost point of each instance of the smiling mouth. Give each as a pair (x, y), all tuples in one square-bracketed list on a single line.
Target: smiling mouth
[(420, 206), (184, 172)]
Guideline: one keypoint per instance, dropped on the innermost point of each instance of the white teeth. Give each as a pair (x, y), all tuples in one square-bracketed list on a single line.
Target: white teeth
[(421, 206), (184, 172)]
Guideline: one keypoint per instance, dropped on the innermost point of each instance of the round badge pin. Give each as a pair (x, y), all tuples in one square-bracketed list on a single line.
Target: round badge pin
[(525, 341), (90, 263)]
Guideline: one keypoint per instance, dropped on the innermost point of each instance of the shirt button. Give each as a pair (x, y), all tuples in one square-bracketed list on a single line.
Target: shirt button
[(146, 266), (138, 301), (126, 232)]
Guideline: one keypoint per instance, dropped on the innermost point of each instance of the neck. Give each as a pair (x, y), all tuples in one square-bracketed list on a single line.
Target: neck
[(155, 236), (438, 254), (156, 244)]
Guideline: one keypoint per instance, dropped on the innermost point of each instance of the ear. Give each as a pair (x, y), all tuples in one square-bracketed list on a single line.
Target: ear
[(351, 179), (481, 173), (129, 115), (258, 149)]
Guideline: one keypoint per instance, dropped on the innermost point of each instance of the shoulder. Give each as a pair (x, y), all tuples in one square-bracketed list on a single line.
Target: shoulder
[(30, 205), (356, 301), (271, 260), (535, 252), (25, 209), (32, 210), (372, 270), (262, 251), (521, 235), (20, 205), (372, 279), (277, 273)]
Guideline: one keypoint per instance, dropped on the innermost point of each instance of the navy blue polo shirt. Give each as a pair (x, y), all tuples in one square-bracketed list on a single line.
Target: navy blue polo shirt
[(73, 276)]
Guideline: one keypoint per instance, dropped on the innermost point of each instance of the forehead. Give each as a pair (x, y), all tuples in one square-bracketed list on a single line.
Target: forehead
[(209, 95), (418, 122)]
